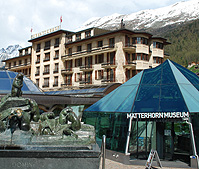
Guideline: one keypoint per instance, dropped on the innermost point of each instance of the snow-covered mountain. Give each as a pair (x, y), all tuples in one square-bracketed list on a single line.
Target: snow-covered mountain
[(180, 12), (10, 52)]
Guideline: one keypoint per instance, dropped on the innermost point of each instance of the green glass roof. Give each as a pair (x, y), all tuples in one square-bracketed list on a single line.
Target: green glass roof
[(166, 88)]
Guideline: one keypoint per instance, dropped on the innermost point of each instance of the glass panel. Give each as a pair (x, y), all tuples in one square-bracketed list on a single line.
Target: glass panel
[(113, 125), (5, 84), (192, 77), (152, 76), (147, 99), (172, 99), (12, 74), (3, 74)]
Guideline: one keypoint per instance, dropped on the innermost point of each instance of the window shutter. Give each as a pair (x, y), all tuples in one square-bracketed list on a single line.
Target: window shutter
[(96, 75)]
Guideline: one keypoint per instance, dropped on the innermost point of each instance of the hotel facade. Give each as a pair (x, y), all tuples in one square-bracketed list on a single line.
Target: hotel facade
[(62, 60)]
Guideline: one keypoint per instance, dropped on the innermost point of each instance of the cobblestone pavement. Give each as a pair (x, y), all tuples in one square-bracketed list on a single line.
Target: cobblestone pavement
[(109, 164)]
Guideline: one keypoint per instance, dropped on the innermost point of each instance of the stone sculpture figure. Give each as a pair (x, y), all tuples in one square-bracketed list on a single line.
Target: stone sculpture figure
[(15, 111), (17, 85)]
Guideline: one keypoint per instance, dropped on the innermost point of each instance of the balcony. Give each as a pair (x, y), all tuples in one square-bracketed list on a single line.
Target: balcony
[(67, 71), (109, 80), (130, 65), (55, 71), (86, 68), (56, 45), (129, 47), (37, 61), (46, 73), (46, 47), (86, 82), (108, 65), (55, 84), (96, 51), (46, 59), (37, 74), (45, 85), (67, 84), (38, 50)]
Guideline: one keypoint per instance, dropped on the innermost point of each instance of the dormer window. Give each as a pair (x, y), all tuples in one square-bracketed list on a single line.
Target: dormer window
[(78, 36), (88, 33)]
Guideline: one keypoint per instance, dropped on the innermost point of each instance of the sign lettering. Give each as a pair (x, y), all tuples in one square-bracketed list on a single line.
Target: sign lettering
[(158, 115), (45, 32)]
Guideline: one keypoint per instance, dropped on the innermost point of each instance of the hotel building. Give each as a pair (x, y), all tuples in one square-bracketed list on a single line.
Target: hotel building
[(21, 63), (62, 60)]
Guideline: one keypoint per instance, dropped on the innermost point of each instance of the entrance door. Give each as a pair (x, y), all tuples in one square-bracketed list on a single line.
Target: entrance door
[(142, 139), (176, 141)]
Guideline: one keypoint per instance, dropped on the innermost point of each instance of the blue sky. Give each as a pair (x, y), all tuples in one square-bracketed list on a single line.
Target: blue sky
[(17, 17)]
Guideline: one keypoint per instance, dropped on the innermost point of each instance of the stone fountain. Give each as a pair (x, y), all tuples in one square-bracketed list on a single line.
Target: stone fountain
[(30, 140)]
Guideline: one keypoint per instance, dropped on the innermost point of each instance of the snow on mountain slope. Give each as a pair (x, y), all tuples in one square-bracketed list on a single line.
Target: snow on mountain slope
[(156, 18), (10, 52)]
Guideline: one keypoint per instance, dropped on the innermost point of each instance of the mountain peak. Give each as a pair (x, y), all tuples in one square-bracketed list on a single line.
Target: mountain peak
[(151, 18), (10, 52)]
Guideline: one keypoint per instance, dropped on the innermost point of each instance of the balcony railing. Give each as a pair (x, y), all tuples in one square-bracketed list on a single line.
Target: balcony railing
[(67, 71), (45, 85), (46, 59), (93, 50), (86, 68), (108, 65), (45, 73)]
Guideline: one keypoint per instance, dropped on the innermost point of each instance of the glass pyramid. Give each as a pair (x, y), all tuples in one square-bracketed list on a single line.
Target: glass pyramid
[(166, 88)]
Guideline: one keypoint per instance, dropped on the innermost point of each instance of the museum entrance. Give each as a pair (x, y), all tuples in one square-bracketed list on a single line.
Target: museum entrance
[(170, 139)]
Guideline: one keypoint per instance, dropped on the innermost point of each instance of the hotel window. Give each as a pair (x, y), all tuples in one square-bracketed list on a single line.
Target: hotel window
[(56, 69), (9, 66), (99, 58), (46, 69), (56, 54), (79, 48), (78, 62), (70, 39), (139, 56), (26, 62), (88, 77), (111, 58), (20, 62), (157, 60), (38, 47), (26, 51), (37, 71), (99, 74), (111, 75), (38, 59), (158, 45), (111, 42), (55, 81), (78, 77), (89, 47), (69, 51), (46, 82), (68, 79), (100, 43), (56, 42), (88, 33), (37, 82), (78, 36), (47, 56), (47, 45), (15, 63)]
